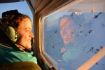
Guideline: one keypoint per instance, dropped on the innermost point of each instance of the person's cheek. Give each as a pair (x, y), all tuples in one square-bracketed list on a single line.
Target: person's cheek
[(23, 34)]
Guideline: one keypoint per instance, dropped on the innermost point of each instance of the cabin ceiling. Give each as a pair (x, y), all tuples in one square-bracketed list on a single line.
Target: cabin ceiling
[(44, 7)]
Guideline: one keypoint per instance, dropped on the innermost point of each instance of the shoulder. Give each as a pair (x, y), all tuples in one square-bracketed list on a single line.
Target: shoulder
[(5, 48), (24, 56)]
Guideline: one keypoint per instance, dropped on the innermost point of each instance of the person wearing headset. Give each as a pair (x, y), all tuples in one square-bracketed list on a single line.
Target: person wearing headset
[(18, 28)]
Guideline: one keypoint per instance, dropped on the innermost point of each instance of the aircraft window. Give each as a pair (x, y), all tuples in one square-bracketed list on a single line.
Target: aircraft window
[(75, 40), (74, 36)]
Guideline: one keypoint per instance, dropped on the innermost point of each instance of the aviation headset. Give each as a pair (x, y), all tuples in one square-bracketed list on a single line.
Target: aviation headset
[(8, 19)]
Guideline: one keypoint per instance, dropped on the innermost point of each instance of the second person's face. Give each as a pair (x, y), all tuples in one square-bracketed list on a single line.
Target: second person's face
[(66, 30)]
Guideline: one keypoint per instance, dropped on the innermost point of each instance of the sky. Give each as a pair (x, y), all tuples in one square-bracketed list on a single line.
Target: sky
[(20, 6)]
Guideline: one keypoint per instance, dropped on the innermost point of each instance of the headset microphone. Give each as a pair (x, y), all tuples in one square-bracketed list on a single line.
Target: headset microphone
[(25, 49)]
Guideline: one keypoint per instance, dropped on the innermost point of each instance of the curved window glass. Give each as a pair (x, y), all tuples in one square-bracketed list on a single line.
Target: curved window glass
[(75, 39)]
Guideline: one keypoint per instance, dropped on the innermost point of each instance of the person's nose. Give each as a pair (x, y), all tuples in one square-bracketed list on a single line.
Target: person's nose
[(31, 35)]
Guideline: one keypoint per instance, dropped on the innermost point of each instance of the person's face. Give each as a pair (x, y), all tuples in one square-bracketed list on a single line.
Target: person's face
[(25, 31), (66, 30)]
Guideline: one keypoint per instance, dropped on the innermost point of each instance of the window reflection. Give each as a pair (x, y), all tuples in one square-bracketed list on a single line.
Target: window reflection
[(72, 39)]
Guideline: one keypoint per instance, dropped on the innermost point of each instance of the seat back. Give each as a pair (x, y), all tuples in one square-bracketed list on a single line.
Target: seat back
[(20, 66)]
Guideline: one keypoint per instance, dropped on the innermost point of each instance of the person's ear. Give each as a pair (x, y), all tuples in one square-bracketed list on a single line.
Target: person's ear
[(12, 34)]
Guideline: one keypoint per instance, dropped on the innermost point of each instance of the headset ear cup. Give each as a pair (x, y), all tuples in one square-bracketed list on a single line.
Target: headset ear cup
[(11, 33)]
